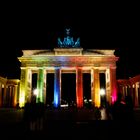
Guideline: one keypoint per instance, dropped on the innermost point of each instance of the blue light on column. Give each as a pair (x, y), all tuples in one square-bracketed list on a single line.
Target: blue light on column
[(57, 88)]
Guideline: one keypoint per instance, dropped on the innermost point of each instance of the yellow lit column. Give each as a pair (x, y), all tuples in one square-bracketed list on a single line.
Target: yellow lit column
[(29, 85), (15, 96), (23, 87), (96, 88), (79, 87)]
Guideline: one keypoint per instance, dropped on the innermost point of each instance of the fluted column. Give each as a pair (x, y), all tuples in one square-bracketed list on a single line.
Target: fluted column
[(79, 87), (57, 87), (96, 88), (40, 85)]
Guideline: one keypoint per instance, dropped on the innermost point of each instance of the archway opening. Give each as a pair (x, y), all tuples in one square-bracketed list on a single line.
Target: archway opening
[(68, 89), (50, 89), (102, 89), (87, 89)]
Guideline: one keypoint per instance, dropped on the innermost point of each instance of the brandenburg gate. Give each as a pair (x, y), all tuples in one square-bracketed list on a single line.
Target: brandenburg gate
[(68, 57)]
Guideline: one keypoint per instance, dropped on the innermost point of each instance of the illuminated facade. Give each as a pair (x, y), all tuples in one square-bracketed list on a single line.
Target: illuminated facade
[(9, 92), (130, 87), (68, 57), (68, 60)]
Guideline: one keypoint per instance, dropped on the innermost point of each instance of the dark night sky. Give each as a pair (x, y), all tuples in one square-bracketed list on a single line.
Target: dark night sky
[(99, 26)]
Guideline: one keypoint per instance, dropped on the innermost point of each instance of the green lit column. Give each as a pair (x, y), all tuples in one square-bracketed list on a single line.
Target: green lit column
[(40, 85)]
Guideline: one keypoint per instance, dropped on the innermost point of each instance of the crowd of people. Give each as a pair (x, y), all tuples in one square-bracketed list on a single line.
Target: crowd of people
[(34, 112), (121, 109)]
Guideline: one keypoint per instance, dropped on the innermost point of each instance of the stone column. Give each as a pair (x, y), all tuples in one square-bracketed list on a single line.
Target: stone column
[(139, 93), (44, 86), (126, 93), (108, 96), (132, 93), (96, 88), (10, 95), (92, 87), (23, 86), (136, 95), (113, 84), (57, 87), (123, 92), (29, 85), (15, 96), (1, 95), (40, 85), (79, 87), (4, 95)]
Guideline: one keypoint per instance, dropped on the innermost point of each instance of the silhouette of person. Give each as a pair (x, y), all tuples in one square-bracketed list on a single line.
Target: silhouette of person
[(119, 109), (26, 115), (40, 114), (33, 113)]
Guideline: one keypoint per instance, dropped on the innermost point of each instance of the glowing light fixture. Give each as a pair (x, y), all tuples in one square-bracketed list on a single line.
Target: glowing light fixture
[(102, 92), (35, 92)]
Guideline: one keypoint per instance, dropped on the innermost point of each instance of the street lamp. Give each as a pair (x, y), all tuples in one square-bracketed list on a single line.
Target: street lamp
[(35, 92), (102, 94)]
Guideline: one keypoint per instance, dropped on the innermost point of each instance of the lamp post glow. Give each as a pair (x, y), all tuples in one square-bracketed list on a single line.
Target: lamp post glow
[(35, 92), (102, 92)]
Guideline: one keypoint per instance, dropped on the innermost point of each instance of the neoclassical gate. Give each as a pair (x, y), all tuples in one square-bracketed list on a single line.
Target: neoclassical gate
[(68, 57)]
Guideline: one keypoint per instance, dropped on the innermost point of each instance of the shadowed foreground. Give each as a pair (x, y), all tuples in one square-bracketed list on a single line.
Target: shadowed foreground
[(66, 124)]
